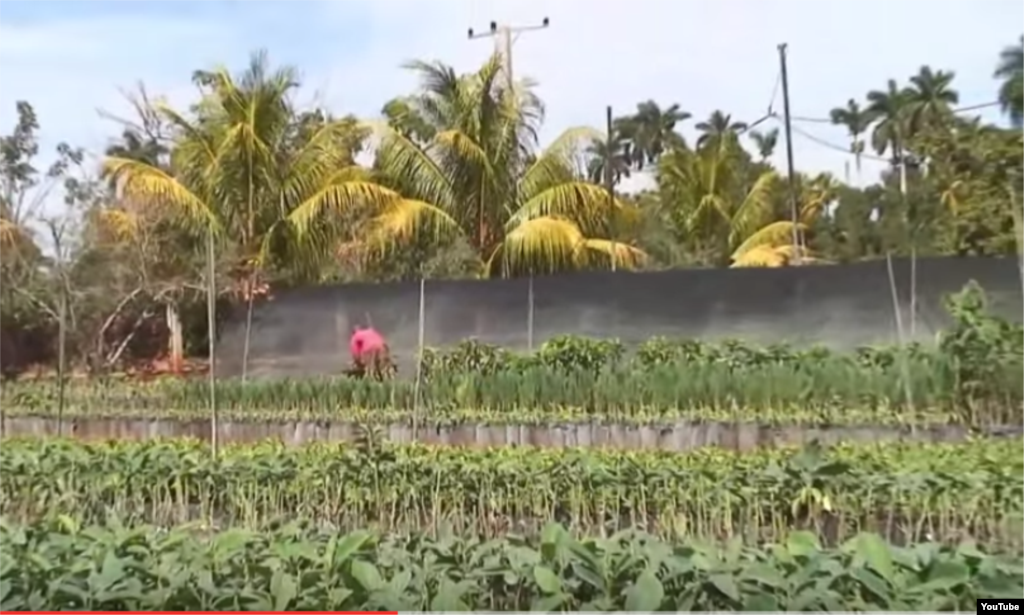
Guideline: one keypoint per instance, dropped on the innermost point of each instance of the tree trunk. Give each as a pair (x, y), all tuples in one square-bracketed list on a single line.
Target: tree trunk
[(176, 344)]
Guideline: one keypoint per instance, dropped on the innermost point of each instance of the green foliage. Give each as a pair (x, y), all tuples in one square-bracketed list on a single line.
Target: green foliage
[(972, 378), (69, 566), (904, 491), (979, 346)]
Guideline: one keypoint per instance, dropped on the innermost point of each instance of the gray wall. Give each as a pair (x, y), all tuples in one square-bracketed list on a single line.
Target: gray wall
[(305, 331)]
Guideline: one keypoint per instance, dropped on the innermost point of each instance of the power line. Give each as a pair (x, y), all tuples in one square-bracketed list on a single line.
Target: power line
[(830, 145), (775, 92), (825, 143), (770, 113), (822, 120)]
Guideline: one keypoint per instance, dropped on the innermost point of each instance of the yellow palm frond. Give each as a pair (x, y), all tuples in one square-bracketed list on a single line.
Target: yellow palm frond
[(777, 256), (405, 219), (761, 256), (587, 205), (142, 181), (463, 148), (754, 209), (560, 162), (340, 197), (539, 245), (624, 255), (123, 225), (773, 235), (402, 161)]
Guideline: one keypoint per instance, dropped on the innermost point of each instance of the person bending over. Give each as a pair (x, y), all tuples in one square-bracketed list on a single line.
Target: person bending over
[(370, 353)]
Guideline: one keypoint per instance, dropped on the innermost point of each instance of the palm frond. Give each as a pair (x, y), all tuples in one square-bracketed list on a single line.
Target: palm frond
[(625, 255), (338, 198), (588, 205), (774, 235), (754, 209), (540, 245), (143, 181)]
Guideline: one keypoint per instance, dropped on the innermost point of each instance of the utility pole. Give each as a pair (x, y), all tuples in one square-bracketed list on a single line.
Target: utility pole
[(504, 37), (794, 213), (609, 178)]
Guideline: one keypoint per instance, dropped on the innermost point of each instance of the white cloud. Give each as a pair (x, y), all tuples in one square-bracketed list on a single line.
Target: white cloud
[(704, 56)]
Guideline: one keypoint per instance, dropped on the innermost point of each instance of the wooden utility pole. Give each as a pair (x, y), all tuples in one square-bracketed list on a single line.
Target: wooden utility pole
[(504, 38), (793, 207)]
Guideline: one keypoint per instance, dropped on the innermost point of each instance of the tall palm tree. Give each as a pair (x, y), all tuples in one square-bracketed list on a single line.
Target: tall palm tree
[(1011, 71), (482, 178), (234, 173), (707, 200), (857, 121), (889, 110), (608, 157), (930, 99), (651, 130), (766, 142), (716, 126)]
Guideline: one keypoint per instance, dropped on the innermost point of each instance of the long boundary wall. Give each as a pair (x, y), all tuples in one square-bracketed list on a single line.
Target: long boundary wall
[(303, 332)]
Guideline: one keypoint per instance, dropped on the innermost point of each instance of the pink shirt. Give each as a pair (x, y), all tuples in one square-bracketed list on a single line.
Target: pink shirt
[(365, 341)]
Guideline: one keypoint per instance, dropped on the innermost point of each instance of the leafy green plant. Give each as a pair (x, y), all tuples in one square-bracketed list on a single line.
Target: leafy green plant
[(65, 565), (571, 352), (902, 491), (979, 347)]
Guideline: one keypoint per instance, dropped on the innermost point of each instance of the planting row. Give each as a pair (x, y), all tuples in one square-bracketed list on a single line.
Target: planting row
[(62, 566), (820, 394), (904, 492), (826, 391), (972, 376)]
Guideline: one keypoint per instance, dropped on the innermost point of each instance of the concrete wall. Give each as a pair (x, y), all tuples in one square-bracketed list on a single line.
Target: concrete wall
[(305, 331), (674, 436)]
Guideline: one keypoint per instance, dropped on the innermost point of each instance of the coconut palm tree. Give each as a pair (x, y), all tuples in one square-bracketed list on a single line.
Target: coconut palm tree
[(1011, 71), (717, 125), (930, 99), (235, 173), (766, 142), (650, 131), (773, 245), (707, 201), (482, 178), (857, 121)]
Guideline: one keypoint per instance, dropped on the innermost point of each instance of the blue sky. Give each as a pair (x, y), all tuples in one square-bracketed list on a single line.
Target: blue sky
[(70, 58)]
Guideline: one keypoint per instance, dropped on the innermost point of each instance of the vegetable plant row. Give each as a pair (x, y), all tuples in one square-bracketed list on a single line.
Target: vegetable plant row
[(825, 394), (904, 492), (972, 376), (64, 566)]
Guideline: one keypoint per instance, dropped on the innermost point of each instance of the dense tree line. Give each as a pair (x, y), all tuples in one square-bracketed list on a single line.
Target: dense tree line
[(459, 186)]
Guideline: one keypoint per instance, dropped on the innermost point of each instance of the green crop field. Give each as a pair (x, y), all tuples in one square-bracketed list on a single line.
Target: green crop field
[(295, 568), (581, 379), (904, 492), (371, 524)]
